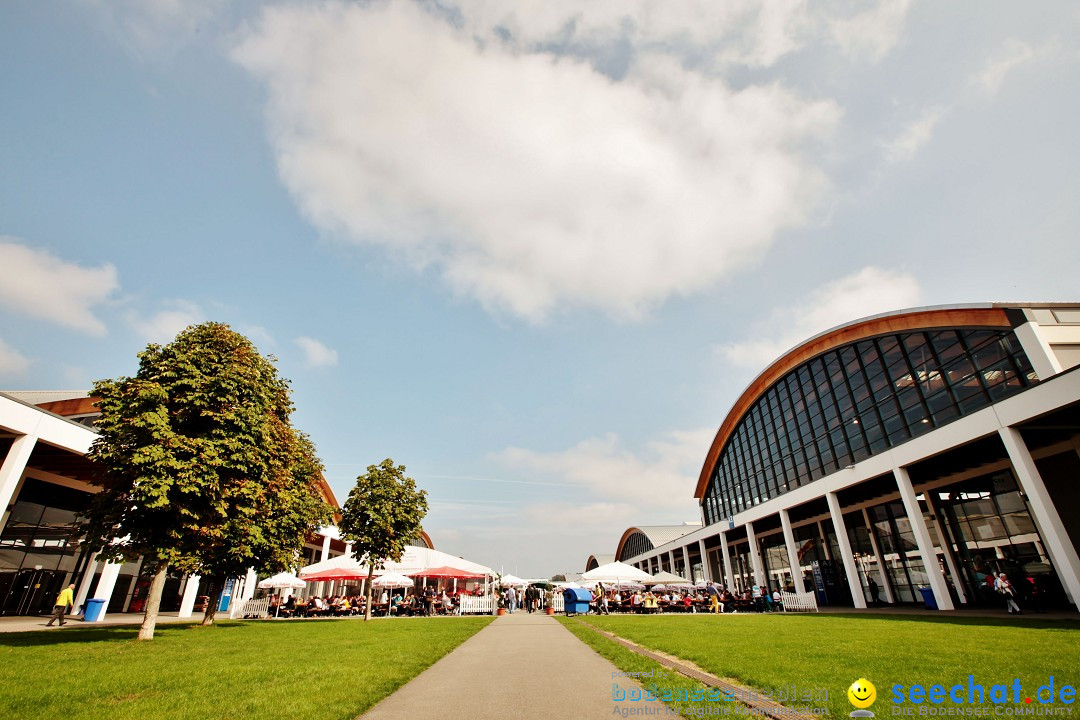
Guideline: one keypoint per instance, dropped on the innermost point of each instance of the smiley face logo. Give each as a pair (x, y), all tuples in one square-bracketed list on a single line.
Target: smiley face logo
[(862, 693)]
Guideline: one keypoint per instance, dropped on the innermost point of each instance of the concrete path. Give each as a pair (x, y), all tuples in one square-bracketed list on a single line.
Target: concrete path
[(520, 665)]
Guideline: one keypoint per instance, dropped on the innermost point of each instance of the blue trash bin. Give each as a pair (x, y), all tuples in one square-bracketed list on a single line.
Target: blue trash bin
[(928, 598), (576, 600), (95, 608)]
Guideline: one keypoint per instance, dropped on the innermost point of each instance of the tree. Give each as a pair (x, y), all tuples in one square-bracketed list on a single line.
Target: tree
[(201, 469), (383, 512)]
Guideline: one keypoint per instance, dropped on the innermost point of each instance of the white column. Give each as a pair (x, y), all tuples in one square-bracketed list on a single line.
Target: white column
[(755, 555), (249, 585), (824, 541), (11, 472), (886, 585), (106, 583), (348, 549), (706, 571), (1055, 537), (671, 561), (946, 546), (1038, 350), (88, 578), (845, 550), (792, 552), (726, 553), (688, 569), (191, 592), (325, 556), (922, 540)]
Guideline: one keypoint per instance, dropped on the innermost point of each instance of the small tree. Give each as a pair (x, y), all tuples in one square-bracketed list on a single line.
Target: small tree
[(201, 468), (383, 512)]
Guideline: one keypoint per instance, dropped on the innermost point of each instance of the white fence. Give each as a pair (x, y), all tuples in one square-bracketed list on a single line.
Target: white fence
[(472, 605), (799, 602), (251, 608), (557, 602)]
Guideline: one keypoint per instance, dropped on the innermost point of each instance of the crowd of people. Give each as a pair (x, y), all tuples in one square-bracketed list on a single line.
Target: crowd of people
[(710, 598), (424, 601)]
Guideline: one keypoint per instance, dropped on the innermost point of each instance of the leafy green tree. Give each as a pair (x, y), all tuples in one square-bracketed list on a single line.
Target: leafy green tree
[(201, 469), (382, 514)]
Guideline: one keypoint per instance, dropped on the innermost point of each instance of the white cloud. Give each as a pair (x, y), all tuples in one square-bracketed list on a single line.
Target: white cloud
[(12, 362), (904, 146), (165, 325), (1014, 54), (868, 292), (316, 354), (39, 284), (873, 33), (662, 476), (530, 182)]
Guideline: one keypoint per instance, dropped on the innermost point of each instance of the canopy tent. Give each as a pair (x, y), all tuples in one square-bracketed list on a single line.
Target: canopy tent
[(448, 572), (665, 578), (617, 572), (282, 581), (418, 559), (343, 567), (514, 580)]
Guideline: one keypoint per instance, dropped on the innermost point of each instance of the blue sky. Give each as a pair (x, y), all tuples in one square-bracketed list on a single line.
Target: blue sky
[(533, 251)]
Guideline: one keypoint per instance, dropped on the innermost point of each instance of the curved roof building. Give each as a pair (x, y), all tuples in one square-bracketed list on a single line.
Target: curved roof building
[(922, 448)]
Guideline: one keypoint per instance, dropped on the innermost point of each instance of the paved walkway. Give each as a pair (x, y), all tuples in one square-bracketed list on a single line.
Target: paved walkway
[(521, 665), (20, 623)]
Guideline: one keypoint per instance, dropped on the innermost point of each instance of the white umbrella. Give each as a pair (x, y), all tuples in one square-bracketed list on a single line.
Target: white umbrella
[(513, 580), (669, 579), (392, 580), (617, 572), (279, 582)]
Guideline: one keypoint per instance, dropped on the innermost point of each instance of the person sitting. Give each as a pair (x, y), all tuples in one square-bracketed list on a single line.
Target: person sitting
[(649, 603), (344, 607)]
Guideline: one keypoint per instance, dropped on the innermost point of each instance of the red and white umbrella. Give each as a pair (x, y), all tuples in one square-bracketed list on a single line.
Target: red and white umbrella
[(447, 572)]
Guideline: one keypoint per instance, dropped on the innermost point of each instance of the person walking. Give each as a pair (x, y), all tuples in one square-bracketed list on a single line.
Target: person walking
[(714, 598), (63, 604), (1005, 589), (872, 584)]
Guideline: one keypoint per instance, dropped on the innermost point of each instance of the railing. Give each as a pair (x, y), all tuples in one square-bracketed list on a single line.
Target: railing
[(557, 602), (799, 602), (472, 605), (251, 608)]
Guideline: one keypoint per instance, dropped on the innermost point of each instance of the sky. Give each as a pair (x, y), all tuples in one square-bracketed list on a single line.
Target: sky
[(532, 251)]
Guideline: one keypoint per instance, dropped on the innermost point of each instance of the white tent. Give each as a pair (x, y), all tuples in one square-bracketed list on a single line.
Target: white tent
[(282, 581), (343, 567), (508, 580), (617, 572), (418, 559), (670, 580)]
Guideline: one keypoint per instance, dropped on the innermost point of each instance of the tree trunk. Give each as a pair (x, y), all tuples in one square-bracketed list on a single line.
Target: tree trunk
[(153, 602), (212, 604), (367, 591)]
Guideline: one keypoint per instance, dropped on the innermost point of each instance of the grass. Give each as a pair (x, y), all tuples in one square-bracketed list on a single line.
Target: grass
[(828, 652), (295, 669)]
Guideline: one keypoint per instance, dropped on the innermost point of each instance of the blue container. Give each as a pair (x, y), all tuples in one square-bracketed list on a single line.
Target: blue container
[(576, 600), (928, 598), (95, 608)]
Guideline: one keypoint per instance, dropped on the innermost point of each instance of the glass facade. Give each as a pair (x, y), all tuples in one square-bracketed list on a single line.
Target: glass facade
[(857, 400), (39, 547), (635, 545)]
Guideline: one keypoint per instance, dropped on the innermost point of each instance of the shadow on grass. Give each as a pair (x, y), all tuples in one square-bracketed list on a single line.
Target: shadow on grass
[(1033, 622), (106, 634)]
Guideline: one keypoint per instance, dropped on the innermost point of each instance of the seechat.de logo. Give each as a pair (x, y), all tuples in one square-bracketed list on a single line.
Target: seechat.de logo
[(862, 695)]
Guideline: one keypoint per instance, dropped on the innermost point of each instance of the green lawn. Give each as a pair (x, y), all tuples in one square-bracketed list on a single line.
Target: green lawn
[(291, 669), (828, 652)]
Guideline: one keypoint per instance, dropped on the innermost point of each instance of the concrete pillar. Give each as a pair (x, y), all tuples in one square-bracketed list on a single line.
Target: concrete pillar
[(792, 552), (11, 473), (1055, 537), (1038, 350), (250, 584), (671, 561), (729, 577), (845, 550), (824, 541), (946, 547), (885, 584), (922, 540), (87, 579), (191, 592), (130, 590), (688, 569), (324, 556), (106, 584), (706, 571), (348, 549), (755, 555)]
